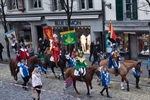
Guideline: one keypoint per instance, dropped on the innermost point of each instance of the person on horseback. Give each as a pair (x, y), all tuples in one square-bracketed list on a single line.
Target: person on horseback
[(80, 63), (22, 54), (114, 58), (55, 52)]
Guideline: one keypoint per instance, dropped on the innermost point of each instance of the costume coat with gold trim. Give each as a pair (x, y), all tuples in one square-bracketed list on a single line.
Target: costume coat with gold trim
[(80, 63), (55, 52)]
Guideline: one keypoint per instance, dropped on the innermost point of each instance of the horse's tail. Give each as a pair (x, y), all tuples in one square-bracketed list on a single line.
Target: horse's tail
[(11, 69)]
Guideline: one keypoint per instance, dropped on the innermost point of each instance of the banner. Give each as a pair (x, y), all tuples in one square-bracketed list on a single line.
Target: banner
[(69, 37), (111, 31), (48, 32), (11, 37)]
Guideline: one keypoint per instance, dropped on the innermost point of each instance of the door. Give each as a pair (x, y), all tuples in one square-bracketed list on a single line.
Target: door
[(133, 46)]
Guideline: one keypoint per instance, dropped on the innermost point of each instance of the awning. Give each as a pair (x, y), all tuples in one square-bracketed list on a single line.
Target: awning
[(72, 17), (24, 19)]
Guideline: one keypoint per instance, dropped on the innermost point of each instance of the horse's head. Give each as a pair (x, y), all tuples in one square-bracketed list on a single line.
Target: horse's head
[(138, 67), (98, 73)]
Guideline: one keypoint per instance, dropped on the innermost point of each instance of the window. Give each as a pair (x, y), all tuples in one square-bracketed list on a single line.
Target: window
[(12, 4), (90, 3), (62, 5), (82, 4), (35, 3), (55, 4), (131, 9), (129, 12)]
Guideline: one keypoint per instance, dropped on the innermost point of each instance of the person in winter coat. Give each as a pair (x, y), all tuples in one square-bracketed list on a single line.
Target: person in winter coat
[(24, 73), (105, 81), (1, 50), (36, 81)]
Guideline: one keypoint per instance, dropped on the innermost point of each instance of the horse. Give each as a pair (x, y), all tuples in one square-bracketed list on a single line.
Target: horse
[(125, 66), (14, 69), (90, 71), (61, 63)]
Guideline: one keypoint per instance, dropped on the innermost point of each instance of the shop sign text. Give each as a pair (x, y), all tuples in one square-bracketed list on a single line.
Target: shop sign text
[(65, 23)]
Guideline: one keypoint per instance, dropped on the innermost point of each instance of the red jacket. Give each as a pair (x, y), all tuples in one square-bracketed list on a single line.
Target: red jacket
[(56, 51), (23, 54)]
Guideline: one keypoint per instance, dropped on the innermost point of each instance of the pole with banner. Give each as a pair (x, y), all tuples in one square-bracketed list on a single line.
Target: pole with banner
[(12, 38), (69, 37)]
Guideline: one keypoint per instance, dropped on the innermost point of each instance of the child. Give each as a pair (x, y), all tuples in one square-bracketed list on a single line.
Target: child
[(72, 62), (105, 81), (137, 76)]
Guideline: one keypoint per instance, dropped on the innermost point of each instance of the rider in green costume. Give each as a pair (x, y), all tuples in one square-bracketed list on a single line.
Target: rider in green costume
[(80, 63)]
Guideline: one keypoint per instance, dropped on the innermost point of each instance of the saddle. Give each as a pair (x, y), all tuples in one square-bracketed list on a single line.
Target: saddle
[(81, 70)]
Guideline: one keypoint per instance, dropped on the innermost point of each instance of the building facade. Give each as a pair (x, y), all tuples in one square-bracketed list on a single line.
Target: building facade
[(130, 20), (27, 17)]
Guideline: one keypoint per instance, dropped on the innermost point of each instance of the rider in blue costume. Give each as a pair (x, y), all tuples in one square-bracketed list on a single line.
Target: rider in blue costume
[(114, 59)]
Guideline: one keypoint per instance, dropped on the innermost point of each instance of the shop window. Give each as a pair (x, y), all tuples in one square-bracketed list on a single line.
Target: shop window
[(12, 4), (35, 3), (122, 41), (143, 42)]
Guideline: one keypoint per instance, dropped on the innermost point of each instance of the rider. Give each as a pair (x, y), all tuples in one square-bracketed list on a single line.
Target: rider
[(22, 54), (55, 52), (114, 58), (80, 63)]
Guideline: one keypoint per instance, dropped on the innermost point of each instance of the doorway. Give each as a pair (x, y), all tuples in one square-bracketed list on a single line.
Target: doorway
[(39, 32)]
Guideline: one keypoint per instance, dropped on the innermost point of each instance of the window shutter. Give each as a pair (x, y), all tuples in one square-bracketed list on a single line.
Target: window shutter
[(134, 12), (119, 10), (9, 4)]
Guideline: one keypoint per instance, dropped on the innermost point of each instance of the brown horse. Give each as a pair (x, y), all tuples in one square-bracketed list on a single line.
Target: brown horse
[(125, 66), (14, 69), (90, 71)]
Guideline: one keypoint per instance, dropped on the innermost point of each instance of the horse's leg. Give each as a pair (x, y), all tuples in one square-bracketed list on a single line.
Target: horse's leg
[(74, 84), (52, 68), (62, 74), (88, 90), (125, 78), (122, 80)]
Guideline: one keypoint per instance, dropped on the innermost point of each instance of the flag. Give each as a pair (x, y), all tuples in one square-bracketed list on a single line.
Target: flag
[(69, 37), (111, 32), (11, 37), (48, 32)]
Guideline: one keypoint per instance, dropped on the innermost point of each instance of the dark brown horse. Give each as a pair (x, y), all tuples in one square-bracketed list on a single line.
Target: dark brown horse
[(61, 63), (125, 66), (14, 69), (90, 71)]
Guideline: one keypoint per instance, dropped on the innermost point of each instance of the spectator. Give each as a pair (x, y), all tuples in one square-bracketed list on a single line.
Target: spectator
[(95, 55), (91, 50), (36, 82), (31, 50), (148, 67), (99, 51), (1, 51)]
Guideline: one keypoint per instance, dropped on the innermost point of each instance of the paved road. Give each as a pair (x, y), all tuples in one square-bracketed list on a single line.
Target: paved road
[(55, 88)]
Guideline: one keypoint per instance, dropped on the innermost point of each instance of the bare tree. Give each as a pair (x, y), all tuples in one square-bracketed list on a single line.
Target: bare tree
[(68, 6), (148, 2), (4, 23)]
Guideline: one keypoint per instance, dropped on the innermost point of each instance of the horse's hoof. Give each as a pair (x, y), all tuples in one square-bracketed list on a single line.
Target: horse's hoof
[(122, 88), (128, 89), (88, 94)]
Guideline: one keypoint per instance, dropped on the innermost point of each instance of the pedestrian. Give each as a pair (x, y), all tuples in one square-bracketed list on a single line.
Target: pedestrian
[(31, 50), (1, 51), (95, 55), (24, 73), (91, 50), (137, 77), (99, 51), (36, 82), (105, 81), (148, 67)]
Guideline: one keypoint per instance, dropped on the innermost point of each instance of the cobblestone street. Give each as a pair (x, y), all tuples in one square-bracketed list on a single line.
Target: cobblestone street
[(55, 89)]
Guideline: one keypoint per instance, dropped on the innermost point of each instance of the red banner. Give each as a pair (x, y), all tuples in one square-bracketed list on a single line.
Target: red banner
[(48, 32)]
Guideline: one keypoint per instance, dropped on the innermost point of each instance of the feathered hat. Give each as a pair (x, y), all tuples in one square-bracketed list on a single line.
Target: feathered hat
[(79, 52)]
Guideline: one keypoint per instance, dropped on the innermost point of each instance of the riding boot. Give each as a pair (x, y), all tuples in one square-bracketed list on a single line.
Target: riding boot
[(137, 82), (81, 77), (102, 91), (108, 93), (116, 74)]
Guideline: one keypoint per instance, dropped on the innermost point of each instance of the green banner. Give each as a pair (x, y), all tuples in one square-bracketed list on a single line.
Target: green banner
[(69, 38)]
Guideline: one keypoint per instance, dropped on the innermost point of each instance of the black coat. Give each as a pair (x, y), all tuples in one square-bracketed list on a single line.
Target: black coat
[(91, 47)]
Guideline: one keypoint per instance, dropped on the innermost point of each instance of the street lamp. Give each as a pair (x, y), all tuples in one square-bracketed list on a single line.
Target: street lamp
[(149, 38)]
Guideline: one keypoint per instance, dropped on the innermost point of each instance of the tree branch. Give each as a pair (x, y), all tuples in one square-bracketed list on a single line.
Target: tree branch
[(71, 8), (65, 5), (148, 2)]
